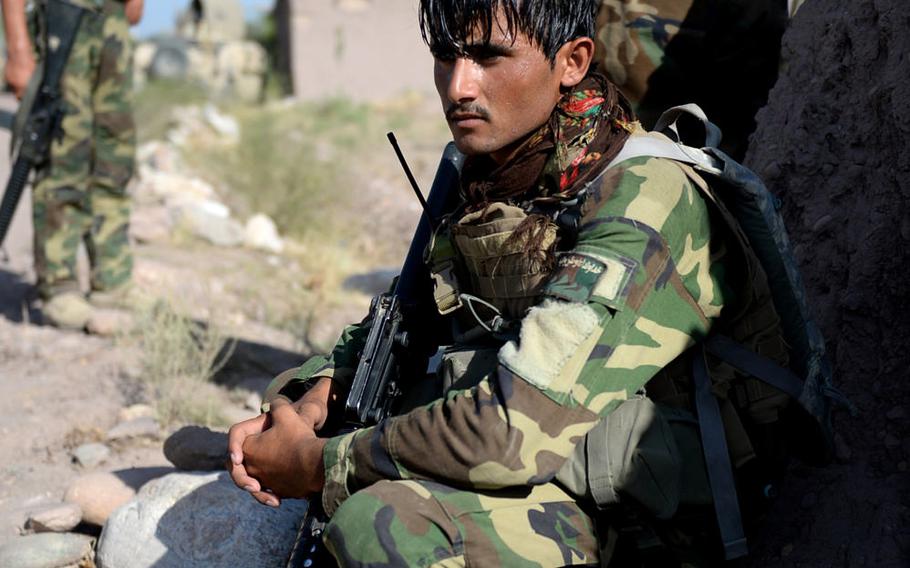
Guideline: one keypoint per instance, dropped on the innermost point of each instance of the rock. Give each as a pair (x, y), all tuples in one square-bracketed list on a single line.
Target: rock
[(151, 224), (892, 441), (159, 156), (198, 520), (107, 322), (261, 233), (136, 411), (100, 494), (157, 186), (226, 126), (91, 455), (211, 221), (194, 448), (144, 426), (48, 550), (56, 518)]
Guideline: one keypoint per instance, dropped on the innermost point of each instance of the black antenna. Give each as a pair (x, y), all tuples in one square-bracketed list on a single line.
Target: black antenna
[(407, 172)]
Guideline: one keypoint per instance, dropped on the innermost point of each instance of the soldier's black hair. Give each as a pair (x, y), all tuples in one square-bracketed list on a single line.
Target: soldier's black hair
[(548, 24)]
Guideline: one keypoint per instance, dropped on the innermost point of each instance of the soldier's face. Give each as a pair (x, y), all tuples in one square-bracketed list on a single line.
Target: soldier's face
[(495, 94)]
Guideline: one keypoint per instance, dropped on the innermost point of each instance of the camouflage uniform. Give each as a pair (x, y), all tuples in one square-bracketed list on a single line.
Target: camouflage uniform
[(81, 195), (721, 55), (642, 284)]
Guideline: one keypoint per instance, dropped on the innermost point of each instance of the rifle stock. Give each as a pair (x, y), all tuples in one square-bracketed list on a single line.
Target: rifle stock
[(391, 351)]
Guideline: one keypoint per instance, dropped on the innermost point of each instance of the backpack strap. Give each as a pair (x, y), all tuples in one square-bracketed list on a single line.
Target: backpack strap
[(668, 120), (754, 364), (658, 146), (717, 461)]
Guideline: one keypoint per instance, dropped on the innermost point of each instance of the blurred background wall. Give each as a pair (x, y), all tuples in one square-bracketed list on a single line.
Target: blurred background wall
[(360, 49)]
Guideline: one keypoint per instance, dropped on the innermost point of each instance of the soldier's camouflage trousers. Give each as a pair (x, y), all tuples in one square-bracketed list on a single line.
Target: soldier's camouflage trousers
[(423, 524), (81, 195)]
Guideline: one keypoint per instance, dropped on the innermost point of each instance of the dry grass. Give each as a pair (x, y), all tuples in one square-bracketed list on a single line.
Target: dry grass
[(179, 357)]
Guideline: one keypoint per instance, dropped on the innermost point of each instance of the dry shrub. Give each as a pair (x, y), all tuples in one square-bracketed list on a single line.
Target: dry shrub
[(179, 357)]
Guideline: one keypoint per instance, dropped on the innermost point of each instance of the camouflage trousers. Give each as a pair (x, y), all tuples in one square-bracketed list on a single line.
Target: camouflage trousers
[(423, 523), (80, 196)]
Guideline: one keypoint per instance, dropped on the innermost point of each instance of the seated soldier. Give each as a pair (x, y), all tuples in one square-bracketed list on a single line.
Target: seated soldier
[(594, 309)]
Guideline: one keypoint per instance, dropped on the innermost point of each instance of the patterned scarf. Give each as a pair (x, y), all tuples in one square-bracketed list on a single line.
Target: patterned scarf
[(586, 130)]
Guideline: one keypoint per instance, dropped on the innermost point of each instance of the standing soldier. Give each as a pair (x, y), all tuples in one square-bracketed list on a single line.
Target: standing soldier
[(721, 55), (80, 196)]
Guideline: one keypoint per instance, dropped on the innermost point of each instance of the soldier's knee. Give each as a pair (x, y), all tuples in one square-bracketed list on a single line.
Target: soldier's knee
[(391, 522)]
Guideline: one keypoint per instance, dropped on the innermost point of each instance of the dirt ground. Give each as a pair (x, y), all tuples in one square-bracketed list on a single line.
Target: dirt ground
[(832, 143)]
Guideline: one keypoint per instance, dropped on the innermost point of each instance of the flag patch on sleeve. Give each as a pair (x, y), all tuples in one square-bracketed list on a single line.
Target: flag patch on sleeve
[(580, 276)]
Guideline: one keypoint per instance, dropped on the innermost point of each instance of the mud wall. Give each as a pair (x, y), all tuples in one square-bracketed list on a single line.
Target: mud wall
[(834, 144)]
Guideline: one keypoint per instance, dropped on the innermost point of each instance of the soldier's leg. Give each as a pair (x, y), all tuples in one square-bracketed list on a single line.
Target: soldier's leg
[(61, 214), (417, 523), (114, 138)]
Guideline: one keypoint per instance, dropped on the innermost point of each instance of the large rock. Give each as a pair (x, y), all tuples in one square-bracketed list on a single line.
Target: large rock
[(194, 448), (48, 550), (99, 494), (195, 520)]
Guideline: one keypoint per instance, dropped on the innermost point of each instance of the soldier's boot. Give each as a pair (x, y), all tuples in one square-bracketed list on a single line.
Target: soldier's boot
[(124, 297), (67, 310)]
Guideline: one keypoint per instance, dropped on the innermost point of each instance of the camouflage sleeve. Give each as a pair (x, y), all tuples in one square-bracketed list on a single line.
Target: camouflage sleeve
[(339, 365), (639, 288)]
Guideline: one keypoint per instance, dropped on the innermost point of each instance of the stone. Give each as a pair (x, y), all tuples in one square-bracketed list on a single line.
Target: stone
[(198, 520), (106, 322), (261, 233), (142, 427), (48, 550), (136, 411), (159, 186), (100, 494), (226, 126), (210, 220), (195, 448), (91, 455), (151, 224), (56, 518)]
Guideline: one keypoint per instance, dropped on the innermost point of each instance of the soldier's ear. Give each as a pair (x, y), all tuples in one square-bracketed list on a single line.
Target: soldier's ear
[(573, 60)]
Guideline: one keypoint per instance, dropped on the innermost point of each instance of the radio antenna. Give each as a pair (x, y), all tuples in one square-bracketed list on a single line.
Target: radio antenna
[(407, 172)]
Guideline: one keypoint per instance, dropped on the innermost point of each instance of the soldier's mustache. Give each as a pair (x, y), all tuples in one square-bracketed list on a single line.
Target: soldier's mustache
[(466, 108)]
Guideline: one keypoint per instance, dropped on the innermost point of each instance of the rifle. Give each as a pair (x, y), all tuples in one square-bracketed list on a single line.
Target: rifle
[(391, 352), (44, 115)]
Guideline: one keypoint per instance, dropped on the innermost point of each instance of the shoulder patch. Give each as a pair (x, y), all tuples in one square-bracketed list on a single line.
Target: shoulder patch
[(579, 276)]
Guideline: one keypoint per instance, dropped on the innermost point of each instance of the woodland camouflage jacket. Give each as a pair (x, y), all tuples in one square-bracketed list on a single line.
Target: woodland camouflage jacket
[(641, 286)]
